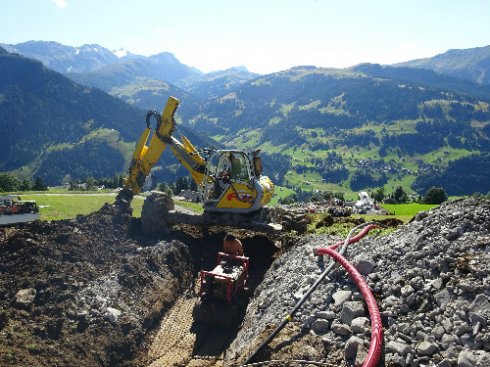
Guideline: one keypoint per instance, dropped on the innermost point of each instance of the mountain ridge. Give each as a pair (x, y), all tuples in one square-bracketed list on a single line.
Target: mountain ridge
[(472, 64)]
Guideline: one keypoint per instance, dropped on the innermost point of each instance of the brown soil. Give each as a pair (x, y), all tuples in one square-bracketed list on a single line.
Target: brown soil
[(102, 294)]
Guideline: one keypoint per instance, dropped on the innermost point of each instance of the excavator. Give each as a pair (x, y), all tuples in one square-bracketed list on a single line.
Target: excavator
[(233, 191), (229, 180)]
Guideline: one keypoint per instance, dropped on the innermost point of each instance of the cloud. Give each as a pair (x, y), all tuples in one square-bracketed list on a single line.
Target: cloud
[(60, 3)]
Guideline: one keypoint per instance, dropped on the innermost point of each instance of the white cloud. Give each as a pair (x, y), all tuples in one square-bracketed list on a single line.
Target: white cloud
[(60, 3)]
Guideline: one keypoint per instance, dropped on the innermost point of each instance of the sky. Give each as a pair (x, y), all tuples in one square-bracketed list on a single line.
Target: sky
[(263, 35)]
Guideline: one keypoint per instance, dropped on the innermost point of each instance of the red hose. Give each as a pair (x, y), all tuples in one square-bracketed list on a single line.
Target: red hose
[(376, 324), (355, 238)]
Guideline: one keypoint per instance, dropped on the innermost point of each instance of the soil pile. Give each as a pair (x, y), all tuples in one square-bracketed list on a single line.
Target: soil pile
[(84, 291), (431, 279)]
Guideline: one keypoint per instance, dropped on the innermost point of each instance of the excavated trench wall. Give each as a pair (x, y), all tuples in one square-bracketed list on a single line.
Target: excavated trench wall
[(84, 291)]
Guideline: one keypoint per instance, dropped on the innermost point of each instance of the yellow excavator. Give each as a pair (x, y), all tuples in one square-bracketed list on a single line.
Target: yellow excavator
[(229, 181)]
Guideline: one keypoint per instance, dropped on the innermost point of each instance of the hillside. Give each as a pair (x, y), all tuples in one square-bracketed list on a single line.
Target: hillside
[(350, 130), (56, 129), (472, 64)]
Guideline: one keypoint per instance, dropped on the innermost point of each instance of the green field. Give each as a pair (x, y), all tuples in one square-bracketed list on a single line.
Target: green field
[(68, 206), (405, 212)]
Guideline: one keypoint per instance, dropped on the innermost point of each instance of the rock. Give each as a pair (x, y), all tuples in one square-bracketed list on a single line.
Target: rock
[(438, 332), (454, 234), (340, 297), (360, 325), (354, 350), (466, 358), (421, 215), (426, 348), (480, 304), (113, 314), (398, 347), (444, 363), (341, 329), (320, 326), (25, 297), (442, 297), (351, 310), (364, 267), (327, 315), (407, 290)]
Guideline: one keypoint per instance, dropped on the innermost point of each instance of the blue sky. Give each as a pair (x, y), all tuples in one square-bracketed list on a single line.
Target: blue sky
[(263, 35)]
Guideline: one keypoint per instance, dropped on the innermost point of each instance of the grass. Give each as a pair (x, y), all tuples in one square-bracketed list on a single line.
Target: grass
[(342, 226), (405, 212), (195, 207), (280, 193), (58, 207)]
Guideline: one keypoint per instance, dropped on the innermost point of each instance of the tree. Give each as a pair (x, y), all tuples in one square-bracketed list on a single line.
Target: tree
[(90, 182), (8, 182), (435, 195), (399, 195), (165, 188), (25, 185), (378, 194), (182, 183), (39, 184)]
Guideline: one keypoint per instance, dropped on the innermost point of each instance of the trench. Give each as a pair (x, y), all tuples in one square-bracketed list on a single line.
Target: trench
[(178, 340)]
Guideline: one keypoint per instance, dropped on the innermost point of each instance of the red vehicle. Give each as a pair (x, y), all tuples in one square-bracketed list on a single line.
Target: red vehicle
[(220, 289), (15, 210)]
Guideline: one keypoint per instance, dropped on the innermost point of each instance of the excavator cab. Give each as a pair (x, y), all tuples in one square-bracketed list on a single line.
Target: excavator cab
[(234, 184)]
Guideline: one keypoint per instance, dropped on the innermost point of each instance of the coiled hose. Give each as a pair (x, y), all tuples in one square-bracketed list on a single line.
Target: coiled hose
[(377, 329)]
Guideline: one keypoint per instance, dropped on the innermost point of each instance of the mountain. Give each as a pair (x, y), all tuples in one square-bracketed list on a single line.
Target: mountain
[(217, 83), (472, 64), (65, 59), (137, 79), (353, 129), (54, 128), (164, 67), (425, 77)]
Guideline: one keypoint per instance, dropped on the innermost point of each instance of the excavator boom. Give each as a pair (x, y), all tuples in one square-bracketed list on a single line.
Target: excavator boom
[(145, 156)]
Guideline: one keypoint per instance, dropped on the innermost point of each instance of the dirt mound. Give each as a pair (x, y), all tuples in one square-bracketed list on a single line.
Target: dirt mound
[(84, 291)]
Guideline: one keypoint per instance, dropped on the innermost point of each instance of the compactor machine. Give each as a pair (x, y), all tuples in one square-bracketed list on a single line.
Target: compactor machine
[(220, 291)]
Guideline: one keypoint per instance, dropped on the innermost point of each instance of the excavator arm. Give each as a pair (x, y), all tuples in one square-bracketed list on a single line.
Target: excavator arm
[(145, 156)]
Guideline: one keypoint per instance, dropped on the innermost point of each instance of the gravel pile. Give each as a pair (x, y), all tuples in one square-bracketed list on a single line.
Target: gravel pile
[(431, 279)]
